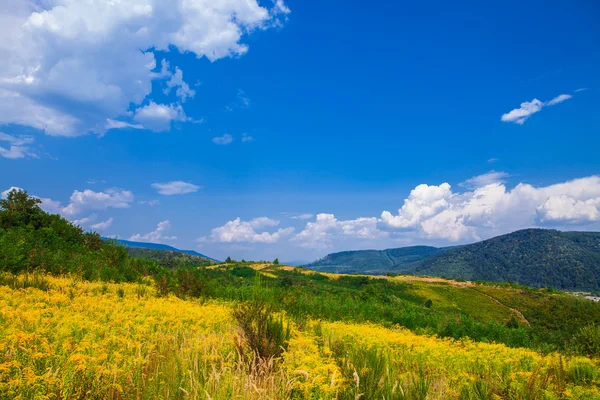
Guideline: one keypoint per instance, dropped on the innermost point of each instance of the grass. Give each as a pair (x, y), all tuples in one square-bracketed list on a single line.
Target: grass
[(80, 339)]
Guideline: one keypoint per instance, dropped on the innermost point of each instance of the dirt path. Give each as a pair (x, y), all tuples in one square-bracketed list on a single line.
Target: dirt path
[(519, 313)]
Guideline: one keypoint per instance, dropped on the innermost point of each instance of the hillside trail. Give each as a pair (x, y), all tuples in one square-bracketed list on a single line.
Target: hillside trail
[(519, 313)]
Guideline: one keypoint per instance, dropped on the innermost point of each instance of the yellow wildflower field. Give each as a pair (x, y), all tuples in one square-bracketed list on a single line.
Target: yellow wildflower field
[(88, 340)]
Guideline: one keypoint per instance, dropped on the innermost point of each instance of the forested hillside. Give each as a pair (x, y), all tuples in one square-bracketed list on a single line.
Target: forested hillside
[(375, 261), (533, 257)]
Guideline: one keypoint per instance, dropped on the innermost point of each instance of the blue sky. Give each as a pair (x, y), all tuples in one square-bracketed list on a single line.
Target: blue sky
[(275, 113)]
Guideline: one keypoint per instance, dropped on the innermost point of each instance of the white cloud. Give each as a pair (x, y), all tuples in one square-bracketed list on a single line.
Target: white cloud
[(559, 99), (521, 114), (581, 90), (247, 138), (183, 90), (263, 222), (485, 179), (175, 187), (114, 124), (302, 216), (493, 160), (223, 140), (69, 66), (564, 208), (18, 146), (319, 234), (101, 226), (435, 212), (423, 202), (156, 236), (87, 200), (238, 231), (158, 117), (84, 221), (528, 108)]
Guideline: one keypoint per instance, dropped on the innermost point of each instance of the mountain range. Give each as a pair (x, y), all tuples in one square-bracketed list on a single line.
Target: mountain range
[(158, 246), (532, 257)]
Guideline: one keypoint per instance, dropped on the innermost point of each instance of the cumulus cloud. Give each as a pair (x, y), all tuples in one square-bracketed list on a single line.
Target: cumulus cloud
[(85, 220), (18, 146), (238, 231), (223, 140), (156, 236), (70, 66), (485, 179), (158, 117), (88, 200), (564, 208), (247, 138), (423, 202), (101, 226), (175, 187), (436, 212), (528, 108), (319, 234), (521, 114)]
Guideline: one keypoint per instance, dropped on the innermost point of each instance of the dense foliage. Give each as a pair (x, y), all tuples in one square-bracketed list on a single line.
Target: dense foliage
[(31, 239), (533, 257), (375, 261), (169, 258)]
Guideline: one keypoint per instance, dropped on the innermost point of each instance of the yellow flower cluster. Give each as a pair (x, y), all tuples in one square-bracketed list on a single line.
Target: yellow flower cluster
[(120, 341), (455, 369), (82, 339), (312, 368)]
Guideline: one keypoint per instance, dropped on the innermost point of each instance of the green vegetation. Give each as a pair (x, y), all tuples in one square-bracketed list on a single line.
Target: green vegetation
[(169, 258), (375, 261), (33, 241), (532, 257)]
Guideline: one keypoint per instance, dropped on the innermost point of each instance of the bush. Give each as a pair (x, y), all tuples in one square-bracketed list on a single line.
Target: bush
[(265, 334), (587, 341)]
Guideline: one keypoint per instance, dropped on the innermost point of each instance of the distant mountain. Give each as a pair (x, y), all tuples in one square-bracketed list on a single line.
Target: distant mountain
[(534, 257), (159, 246), (402, 259), (295, 263)]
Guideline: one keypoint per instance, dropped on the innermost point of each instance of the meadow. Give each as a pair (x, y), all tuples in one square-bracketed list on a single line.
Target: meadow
[(67, 338), (80, 318)]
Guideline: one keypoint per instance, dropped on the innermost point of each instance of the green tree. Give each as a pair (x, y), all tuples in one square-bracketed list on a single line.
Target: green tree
[(18, 209), (276, 261), (228, 260)]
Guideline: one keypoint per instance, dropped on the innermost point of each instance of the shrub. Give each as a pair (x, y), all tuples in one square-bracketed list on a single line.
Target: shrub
[(587, 340), (265, 334)]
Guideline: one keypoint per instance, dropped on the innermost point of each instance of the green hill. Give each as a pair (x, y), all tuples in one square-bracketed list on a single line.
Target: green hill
[(169, 258), (158, 246), (376, 261), (533, 257)]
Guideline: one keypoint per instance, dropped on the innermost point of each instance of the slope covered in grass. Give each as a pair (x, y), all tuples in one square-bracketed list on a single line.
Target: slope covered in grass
[(65, 338)]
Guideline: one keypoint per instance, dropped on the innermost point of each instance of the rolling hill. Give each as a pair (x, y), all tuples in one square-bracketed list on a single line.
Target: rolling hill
[(159, 246), (532, 257), (376, 261)]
